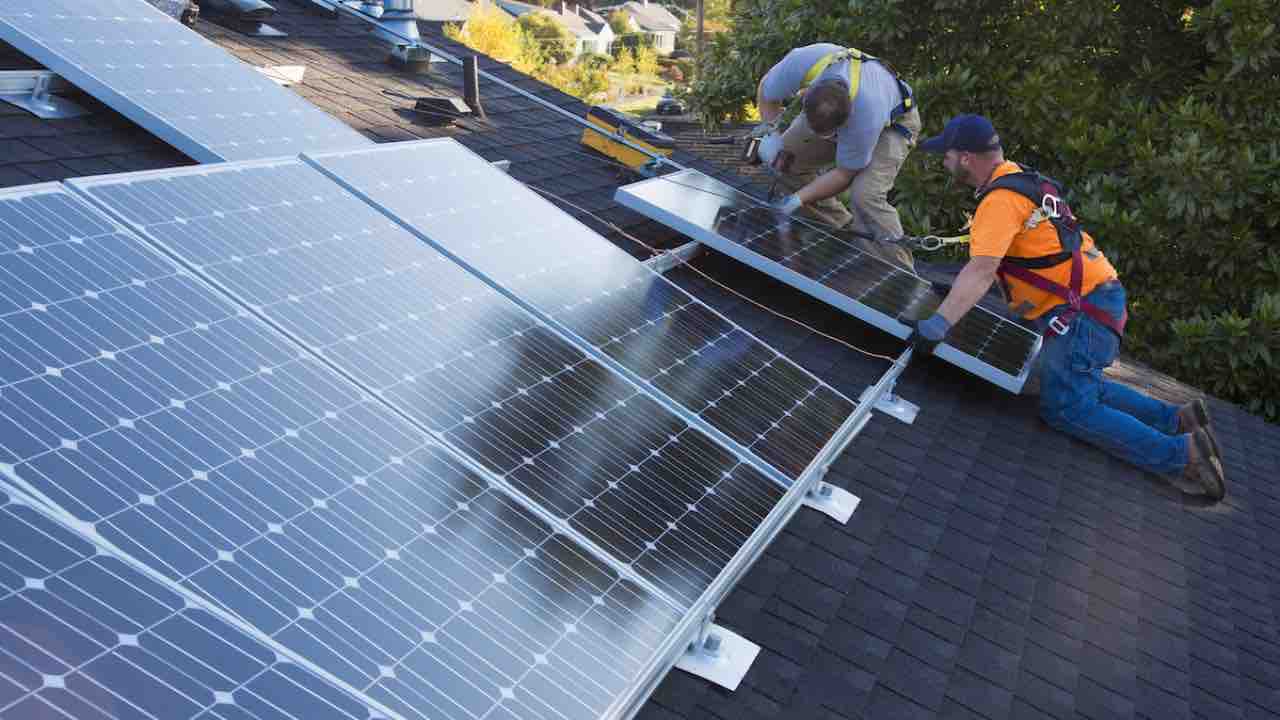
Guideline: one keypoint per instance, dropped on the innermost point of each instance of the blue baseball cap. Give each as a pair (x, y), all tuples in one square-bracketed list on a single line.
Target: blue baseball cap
[(971, 133)]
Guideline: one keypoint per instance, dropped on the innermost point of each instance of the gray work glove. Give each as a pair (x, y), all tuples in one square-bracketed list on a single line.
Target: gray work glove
[(927, 334)]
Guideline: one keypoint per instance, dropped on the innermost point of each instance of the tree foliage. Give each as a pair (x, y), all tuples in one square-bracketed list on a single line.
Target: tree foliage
[(553, 39), (1160, 115), (620, 22), (490, 30)]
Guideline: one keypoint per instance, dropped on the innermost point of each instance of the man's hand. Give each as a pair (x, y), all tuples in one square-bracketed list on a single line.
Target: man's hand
[(927, 333), (788, 205), (770, 146)]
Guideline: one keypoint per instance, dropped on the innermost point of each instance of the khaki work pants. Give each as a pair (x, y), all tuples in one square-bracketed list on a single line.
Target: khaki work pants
[(869, 211)]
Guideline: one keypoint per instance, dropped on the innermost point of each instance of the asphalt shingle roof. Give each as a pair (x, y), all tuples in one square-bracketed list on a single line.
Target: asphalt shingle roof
[(994, 569)]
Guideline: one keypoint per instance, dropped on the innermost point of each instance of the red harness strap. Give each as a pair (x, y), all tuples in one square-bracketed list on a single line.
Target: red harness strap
[(1076, 303)]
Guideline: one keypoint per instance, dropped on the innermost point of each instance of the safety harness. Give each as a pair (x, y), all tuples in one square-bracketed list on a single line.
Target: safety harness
[(1047, 194), (856, 58)]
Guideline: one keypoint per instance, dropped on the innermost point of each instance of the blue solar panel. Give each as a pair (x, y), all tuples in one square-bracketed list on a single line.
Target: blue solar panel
[(85, 635), (564, 270), (460, 360), (169, 79), (196, 438)]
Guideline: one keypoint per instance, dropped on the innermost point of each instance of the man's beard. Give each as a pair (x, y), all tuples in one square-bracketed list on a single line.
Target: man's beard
[(961, 175)]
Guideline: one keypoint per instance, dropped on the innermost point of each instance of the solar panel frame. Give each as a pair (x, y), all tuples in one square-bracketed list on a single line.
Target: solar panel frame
[(663, 655), (636, 196), (158, 108), (450, 248)]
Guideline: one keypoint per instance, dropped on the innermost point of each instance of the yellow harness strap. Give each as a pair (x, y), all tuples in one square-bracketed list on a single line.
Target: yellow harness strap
[(855, 58)]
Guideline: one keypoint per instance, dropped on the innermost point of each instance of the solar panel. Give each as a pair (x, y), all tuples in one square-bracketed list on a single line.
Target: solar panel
[(572, 276), (189, 434), (459, 360), (170, 80), (85, 635), (830, 269)]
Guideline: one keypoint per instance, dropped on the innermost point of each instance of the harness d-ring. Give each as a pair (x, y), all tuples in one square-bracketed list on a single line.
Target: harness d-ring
[(1051, 205)]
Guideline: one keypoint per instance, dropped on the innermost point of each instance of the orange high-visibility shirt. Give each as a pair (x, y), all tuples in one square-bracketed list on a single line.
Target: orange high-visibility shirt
[(999, 230)]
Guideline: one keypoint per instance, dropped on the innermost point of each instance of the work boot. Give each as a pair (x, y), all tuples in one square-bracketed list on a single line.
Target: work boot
[(1203, 471), (1195, 414)]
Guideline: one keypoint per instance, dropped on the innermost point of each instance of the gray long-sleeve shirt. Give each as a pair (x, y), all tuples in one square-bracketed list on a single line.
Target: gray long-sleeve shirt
[(878, 95)]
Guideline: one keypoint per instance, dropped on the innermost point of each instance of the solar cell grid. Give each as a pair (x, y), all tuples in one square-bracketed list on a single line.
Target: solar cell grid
[(84, 635), (169, 79), (460, 359), (564, 270), (198, 440), (832, 268)]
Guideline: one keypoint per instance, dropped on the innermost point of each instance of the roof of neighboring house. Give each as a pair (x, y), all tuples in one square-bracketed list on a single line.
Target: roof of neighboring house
[(649, 16), (723, 145), (994, 569), (444, 10), (578, 20)]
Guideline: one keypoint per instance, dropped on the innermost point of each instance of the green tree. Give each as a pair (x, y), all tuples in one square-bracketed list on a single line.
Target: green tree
[(553, 38), (620, 22), (491, 31), (1160, 115), (646, 62)]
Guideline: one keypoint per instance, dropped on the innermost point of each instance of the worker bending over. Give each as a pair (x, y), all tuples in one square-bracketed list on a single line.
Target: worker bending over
[(858, 124)]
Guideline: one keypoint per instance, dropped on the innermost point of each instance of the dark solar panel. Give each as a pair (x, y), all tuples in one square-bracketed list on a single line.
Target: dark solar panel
[(191, 435), (169, 79), (568, 273), (461, 360), (85, 635), (831, 269)]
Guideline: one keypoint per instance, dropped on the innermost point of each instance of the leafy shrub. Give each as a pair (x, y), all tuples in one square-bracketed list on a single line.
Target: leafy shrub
[(1160, 116)]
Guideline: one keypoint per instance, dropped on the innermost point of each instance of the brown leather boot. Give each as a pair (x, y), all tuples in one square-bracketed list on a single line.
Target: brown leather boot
[(1195, 414), (1204, 470)]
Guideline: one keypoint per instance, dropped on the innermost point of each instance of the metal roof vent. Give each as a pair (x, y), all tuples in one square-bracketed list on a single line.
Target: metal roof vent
[(441, 111), (397, 23)]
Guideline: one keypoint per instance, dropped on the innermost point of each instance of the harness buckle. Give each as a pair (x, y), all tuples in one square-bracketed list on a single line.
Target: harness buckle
[(1059, 327)]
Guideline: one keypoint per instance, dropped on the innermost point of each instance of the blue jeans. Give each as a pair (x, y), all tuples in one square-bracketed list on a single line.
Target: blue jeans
[(1076, 399)]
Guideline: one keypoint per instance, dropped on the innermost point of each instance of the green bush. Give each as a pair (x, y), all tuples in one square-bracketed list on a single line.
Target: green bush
[(1161, 116)]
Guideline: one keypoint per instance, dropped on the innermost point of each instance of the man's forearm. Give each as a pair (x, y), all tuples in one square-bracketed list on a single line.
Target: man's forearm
[(971, 284), (829, 184)]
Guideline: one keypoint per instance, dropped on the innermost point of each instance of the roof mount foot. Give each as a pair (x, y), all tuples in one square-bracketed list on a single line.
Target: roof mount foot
[(837, 503), (32, 91), (894, 406), (719, 655)]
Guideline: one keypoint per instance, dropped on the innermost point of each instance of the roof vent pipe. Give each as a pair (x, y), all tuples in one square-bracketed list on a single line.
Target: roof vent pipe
[(471, 85), (399, 23)]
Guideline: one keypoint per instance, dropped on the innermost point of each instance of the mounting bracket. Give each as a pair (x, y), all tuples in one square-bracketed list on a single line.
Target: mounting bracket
[(719, 655), (32, 90)]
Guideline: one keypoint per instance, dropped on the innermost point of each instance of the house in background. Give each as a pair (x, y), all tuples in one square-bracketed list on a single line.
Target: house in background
[(445, 11), (652, 20), (591, 32)]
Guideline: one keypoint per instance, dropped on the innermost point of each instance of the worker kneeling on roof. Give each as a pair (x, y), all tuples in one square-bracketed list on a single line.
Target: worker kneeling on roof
[(1024, 233), (859, 116)]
